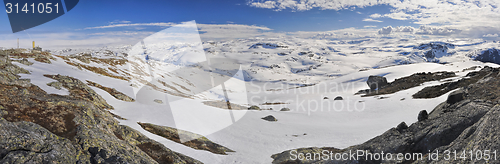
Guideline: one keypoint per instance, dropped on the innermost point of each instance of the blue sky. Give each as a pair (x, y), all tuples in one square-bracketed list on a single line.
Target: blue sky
[(460, 18), (91, 13)]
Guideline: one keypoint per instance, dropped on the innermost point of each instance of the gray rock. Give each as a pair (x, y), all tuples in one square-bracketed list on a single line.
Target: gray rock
[(402, 126), (285, 109), (254, 107), (422, 115), (158, 101), (455, 97), (270, 118), (338, 98), (376, 82)]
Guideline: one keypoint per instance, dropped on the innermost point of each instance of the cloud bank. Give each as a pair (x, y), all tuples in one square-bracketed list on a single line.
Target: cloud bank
[(456, 15)]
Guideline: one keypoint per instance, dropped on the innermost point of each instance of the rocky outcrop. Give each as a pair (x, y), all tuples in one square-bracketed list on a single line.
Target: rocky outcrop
[(23, 55), (189, 139), (112, 91), (225, 105), (406, 83), (376, 82), (438, 90), (422, 115), (455, 97), (80, 90), (270, 118), (469, 124), (36, 127), (285, 109)]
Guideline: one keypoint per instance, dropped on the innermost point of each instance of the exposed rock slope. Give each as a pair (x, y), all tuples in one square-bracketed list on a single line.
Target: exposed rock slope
[(468, 122), (36, 127)]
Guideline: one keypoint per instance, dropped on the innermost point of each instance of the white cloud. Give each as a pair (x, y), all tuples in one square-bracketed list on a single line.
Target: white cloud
[(130, 25), (390, 29), (423, 30), (490, 35), (232, 31), (302, 5), (371, 20), (376, 15), (429, 30), (456, 15), (398, 15), (370, 26)]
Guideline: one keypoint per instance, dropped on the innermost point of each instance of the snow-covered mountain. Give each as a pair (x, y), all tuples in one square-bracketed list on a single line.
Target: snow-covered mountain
[(486, 55), (303, 75)]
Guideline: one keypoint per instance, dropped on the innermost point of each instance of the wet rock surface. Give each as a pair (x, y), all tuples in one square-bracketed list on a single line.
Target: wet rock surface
[(36, 127), (462, 125)]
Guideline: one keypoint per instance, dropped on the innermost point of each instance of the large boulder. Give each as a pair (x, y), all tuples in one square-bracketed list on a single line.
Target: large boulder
[(455, 97), (376, 82), (422, 115)]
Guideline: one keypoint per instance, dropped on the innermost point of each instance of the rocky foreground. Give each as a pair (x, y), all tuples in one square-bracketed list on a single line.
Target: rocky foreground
[(465, 126), (36, 127)]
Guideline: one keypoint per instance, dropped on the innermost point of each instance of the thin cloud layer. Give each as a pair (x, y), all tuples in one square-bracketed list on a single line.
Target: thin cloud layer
[(371, 20), (423, 30)]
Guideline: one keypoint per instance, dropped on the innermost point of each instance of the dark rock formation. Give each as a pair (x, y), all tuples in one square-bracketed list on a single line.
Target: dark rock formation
[(225, 105), (455, 97), (112, 91), (422, 115), (408, 82), (285, 109), (189, 139), (338, 98), (402, 126), (36, 127), (270, 118), (254, 107), (469, 124), (376, 82), (438, 90)]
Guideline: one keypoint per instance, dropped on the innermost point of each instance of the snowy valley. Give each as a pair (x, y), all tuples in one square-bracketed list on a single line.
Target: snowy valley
[(304, 75)]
